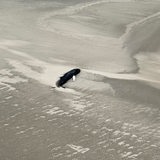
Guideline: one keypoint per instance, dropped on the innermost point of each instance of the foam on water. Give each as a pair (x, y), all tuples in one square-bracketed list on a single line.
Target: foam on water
[(139, 35), (87, 81), (79, 149), (142, 40), (49, 75), (149, 67), (116, 59), (7, 78), (142, 35)]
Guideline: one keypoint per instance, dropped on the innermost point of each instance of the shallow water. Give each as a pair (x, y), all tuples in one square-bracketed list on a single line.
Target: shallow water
[(111, 111)]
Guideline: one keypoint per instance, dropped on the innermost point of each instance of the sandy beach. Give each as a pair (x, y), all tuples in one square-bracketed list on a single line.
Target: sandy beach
[(111, 111)]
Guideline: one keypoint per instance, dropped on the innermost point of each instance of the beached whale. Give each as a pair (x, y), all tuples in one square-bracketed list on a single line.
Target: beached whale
[(67, 76)]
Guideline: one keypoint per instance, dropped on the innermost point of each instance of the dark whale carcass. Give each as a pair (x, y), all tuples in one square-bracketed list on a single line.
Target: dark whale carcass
[(67, 76)]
